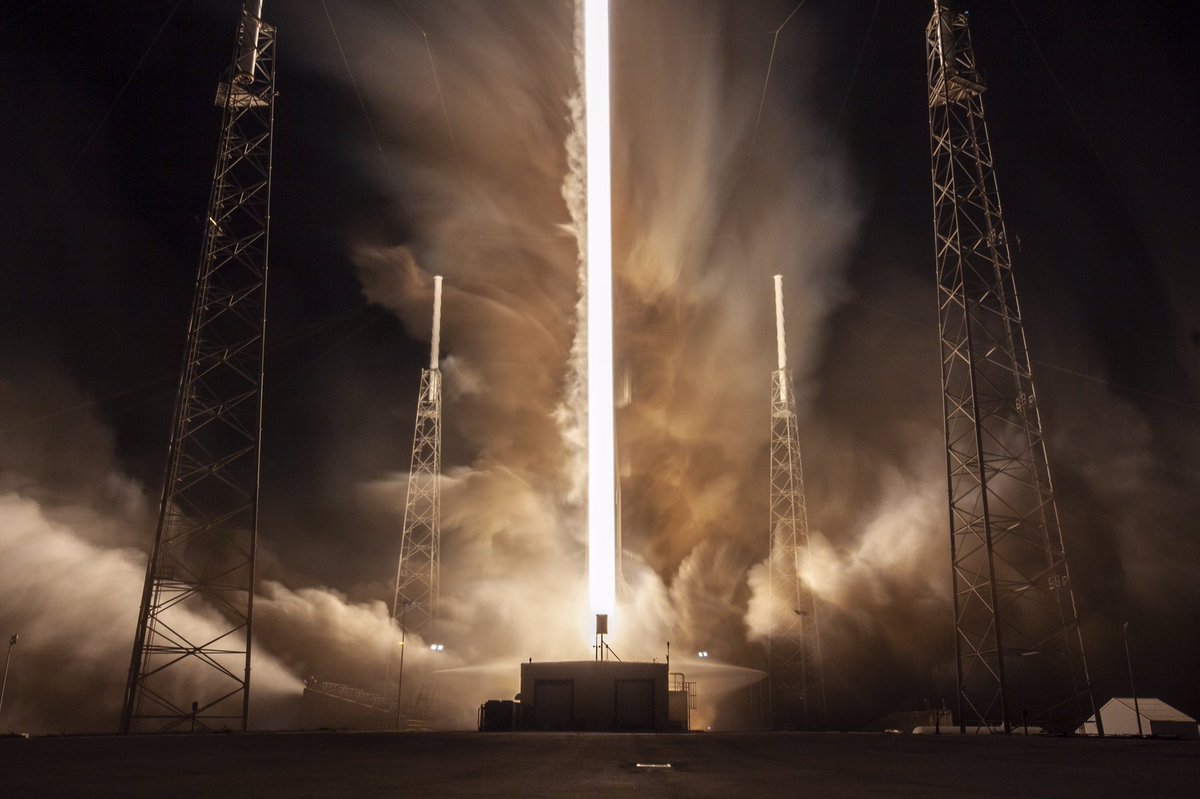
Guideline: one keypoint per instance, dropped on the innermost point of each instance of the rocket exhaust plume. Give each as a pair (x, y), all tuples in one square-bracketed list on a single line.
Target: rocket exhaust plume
[(601, 459)]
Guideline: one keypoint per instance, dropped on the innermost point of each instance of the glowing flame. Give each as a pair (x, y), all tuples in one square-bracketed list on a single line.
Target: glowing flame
[(601, 467)]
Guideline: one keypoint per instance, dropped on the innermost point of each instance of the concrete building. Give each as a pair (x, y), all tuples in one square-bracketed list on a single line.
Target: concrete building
[(1158, 718), (595, 696)]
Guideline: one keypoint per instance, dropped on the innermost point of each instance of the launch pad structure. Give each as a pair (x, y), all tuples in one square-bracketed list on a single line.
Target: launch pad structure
[(195, 620), (1018, 645)]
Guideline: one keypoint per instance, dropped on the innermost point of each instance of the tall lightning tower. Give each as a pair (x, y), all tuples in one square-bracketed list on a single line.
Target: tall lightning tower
[(415, 605), (190, 668), (797, 692), (1017, 640)]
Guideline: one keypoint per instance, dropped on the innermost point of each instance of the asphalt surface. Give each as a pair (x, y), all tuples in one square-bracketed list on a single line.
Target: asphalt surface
[(583, 764)]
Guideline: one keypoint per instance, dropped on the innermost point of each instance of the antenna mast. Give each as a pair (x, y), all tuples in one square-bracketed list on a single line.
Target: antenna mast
[(190, 668), (1017, 638), (793, 642), (415, 605)]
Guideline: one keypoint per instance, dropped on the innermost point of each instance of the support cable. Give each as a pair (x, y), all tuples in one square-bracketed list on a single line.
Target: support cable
[(1118, 190), (762, 101), (845, 97), (1071, 107), (87, 145), (437, 83), (837, 122), (277, 343), (362, 103), (1190, 406), (4, 25)]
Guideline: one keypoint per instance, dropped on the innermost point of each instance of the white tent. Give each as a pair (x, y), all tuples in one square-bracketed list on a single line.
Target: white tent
[(1158, 718)]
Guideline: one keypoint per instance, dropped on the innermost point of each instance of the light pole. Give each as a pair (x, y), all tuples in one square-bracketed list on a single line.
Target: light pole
[(1129, 662), (11, 643), (400, 678)]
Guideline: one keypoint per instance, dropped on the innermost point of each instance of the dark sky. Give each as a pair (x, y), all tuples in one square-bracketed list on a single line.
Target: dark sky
[(109, 135)]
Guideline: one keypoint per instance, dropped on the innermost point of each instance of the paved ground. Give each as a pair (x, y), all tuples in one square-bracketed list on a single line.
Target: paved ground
[(581, 764)]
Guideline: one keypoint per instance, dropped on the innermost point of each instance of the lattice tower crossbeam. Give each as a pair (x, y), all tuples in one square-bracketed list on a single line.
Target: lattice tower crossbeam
[(1017, 639), (193, 638), (415, 605), (797, 692)]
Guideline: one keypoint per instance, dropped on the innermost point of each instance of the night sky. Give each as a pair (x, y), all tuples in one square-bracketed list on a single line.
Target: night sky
[(384, 176)]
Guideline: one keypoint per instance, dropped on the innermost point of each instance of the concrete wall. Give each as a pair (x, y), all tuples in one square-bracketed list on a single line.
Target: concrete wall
[(594, 695)]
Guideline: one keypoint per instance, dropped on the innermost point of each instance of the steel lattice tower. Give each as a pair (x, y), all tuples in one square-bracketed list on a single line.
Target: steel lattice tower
[(1017, 640), (190, 668), (794, 642), (415, 605)]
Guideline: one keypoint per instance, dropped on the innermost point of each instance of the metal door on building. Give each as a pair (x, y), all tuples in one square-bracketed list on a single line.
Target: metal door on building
[(553, 703), (635, 704)]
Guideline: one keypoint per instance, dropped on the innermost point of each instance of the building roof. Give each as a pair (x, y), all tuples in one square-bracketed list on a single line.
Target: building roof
[(1151, 709)]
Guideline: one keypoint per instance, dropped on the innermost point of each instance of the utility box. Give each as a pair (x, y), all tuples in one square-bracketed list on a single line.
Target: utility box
[(498, 715)]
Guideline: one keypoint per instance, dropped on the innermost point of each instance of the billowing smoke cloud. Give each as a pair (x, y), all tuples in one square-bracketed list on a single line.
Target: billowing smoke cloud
[(71, 568), (711, 199)]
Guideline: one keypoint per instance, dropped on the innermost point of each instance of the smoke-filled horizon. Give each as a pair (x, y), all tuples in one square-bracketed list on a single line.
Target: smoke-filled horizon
[(448, 141)]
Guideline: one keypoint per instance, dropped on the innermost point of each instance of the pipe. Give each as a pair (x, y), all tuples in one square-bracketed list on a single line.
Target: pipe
[(437, 323), (780, 344), (247, 57)]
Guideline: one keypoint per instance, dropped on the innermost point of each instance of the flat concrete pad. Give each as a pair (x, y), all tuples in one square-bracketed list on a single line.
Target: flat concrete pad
[(594, 764)]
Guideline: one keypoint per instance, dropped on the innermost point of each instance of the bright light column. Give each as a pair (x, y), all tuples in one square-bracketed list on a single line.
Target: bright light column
[(601, 464)]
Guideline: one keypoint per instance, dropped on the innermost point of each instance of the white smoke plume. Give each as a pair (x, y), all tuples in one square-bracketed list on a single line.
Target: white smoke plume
[(475, 176), (702, 222), (71, 568), (711, 200)]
